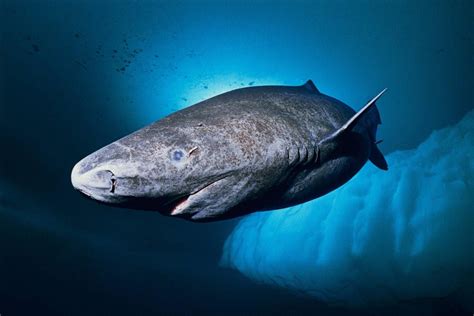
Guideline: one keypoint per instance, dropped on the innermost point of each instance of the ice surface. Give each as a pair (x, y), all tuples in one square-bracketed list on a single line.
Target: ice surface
[(383, 237)]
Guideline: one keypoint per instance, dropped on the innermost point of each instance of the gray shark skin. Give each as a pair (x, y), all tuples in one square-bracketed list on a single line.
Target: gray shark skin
[(250, 149)]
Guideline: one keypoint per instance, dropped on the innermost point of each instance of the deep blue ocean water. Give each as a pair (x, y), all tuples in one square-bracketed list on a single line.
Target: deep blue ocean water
[(77, 75)]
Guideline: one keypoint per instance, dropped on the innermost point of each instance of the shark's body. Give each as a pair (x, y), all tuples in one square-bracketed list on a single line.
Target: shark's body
[(251, 149)]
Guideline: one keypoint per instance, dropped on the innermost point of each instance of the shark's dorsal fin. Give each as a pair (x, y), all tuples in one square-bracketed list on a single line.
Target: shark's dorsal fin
[(309, 85)]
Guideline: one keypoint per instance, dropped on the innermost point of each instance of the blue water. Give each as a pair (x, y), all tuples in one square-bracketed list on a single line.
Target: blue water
[(76, 75), (383, 238)]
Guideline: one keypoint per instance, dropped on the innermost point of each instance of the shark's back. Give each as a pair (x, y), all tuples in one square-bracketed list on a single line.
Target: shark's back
[(297, 108)]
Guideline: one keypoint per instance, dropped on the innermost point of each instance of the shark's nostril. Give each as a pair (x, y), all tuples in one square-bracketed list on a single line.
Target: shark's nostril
[(114, 183)]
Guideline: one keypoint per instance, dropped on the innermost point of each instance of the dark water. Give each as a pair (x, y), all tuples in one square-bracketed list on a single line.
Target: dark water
[(76, 75)]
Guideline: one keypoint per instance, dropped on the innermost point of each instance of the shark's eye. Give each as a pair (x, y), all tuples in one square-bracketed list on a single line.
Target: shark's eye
[(177, 155)]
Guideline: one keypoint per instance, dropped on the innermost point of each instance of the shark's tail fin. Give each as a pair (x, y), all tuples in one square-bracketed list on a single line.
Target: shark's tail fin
[(367, 119)]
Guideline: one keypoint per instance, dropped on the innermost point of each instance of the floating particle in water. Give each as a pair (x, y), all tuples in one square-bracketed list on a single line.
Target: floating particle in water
[(77, 35), (83, 66), (206, 87), (114, 51), (191, 54), (36, 48), (156, 56), (251, 83), (184, 99)]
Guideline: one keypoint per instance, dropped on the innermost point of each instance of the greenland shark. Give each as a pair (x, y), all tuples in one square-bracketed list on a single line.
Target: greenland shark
[(251, 149)]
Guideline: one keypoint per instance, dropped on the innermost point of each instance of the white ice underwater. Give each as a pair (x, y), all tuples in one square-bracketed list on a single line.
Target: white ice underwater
[(381, 238)]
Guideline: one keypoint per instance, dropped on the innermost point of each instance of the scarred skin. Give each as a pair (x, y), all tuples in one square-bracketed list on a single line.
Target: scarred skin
[(247, 150)]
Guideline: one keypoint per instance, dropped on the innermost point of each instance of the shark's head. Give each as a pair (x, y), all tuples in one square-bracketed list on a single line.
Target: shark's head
[(191, 172)]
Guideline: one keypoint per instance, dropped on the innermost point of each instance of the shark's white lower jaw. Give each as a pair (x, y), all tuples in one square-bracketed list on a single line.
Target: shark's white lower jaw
[(100, 197)]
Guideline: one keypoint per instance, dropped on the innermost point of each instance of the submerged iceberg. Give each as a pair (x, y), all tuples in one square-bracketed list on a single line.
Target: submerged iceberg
[(381, 238)]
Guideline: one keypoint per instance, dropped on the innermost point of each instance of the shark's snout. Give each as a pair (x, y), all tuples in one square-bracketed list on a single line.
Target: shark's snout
[(98, 183)]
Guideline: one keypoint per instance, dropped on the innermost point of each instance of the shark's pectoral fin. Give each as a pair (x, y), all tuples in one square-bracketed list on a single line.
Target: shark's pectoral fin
[(214, 200), (367, 117), (366, 120)]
